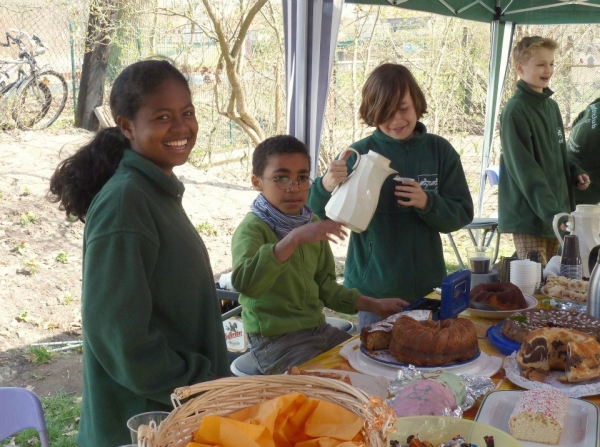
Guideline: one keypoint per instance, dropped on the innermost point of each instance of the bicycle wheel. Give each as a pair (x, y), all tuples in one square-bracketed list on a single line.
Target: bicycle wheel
[(40, 100)]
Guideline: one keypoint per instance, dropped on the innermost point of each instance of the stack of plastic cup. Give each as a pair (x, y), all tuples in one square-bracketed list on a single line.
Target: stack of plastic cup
[(570, 261), (525, 274)]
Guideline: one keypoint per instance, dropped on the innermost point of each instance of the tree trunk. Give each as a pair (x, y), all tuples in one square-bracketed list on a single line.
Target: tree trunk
[(95, 62)]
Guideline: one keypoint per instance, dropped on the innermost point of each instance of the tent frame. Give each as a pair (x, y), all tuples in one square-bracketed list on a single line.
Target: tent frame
[(311, 28)]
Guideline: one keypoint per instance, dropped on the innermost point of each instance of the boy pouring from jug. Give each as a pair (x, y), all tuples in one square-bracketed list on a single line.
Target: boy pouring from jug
[(283, 265), (400, 253)]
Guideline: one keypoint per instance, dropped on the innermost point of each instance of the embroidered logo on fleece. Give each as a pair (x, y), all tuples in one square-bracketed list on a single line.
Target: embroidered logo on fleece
[(428, 182), (590, 122), (561, 137)]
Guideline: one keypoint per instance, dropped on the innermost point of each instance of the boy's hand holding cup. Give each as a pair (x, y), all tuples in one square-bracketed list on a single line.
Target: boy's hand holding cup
[(409, 193)]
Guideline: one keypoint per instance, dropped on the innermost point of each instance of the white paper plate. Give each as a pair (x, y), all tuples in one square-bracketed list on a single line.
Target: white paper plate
[(581, 424), (485, 365), (501, 314), (385, 357), (513, 373)]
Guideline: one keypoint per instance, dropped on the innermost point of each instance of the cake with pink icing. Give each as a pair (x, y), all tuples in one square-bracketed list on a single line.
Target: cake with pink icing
[(422, 398), (430, 395), (539, 416)]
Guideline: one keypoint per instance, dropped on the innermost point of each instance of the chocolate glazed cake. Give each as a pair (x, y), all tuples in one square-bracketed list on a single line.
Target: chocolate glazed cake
[(520, 324)]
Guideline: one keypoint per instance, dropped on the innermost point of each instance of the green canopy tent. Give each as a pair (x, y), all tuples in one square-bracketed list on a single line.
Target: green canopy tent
[(309, 56)]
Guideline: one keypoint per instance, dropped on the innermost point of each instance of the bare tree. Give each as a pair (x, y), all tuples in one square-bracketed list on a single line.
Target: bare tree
[(232, 55), (100, 29), (229, 29)]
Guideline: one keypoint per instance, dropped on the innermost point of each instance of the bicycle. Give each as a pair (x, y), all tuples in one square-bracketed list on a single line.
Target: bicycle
[(34, 96)]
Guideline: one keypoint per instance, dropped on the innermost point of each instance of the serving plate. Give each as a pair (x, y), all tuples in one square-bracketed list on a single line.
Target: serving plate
[(504, 344), (501, 314), (385, 357), (581, 389), (485, 365), (438, 429), (561, 298), (581, 424)]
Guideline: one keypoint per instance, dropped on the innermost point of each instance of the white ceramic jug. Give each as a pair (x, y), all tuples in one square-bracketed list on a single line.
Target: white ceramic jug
[(353, 202), (585, 223)]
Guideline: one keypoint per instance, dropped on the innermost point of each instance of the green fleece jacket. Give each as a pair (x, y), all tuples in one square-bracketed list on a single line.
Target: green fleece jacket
[(400, 253), (536, 179), (282, 297), (584, 149), (151, 319)]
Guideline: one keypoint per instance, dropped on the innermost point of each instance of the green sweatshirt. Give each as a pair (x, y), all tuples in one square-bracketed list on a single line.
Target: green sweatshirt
[(151, 320), (536, 179), (584, 150), (400, 253), (279, 298)]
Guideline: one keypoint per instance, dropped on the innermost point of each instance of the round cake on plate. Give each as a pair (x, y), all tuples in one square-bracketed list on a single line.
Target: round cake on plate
[(503, 295), (433, 343)]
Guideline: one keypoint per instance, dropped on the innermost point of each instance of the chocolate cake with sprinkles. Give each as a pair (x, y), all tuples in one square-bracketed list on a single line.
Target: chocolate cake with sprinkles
[(520, 324)]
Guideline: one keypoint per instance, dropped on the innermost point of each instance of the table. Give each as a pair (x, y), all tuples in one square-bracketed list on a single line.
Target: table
[(333, 360)]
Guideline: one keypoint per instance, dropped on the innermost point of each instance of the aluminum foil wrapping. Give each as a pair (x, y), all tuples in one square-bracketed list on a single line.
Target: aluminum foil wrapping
[(476, 386), (552, 303)]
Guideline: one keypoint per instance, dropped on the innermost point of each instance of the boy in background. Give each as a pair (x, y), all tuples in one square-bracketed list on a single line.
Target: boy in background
[(584, 149), (283, 265), (536, 179)]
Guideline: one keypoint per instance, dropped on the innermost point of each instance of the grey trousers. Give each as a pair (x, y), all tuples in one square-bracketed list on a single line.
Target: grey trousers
[(273, 355)]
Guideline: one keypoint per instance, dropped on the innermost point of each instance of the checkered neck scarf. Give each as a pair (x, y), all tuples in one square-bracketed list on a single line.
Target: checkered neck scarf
[(279, 222)]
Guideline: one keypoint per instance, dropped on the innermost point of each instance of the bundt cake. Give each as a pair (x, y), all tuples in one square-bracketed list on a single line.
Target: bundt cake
[(575, 352), (378, 335), (504, 295), (433, 343)]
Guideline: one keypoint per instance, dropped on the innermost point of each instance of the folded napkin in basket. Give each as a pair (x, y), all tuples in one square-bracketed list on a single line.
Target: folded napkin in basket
[(292, 420)]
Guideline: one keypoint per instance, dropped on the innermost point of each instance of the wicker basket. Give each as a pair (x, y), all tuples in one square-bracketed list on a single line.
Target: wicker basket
[(224, 396)]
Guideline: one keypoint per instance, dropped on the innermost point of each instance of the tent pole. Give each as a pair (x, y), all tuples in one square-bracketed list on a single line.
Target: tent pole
[(502, 33), (311, 31)]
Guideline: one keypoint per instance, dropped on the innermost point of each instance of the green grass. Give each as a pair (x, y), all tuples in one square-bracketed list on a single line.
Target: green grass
[(206, 229), (62, 417), (39, 354)]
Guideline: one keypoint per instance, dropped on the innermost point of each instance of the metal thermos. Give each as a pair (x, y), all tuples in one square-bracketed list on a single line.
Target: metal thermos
[(593, 300)]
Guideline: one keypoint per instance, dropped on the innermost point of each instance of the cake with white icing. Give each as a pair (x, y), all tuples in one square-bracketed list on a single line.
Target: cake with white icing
[(539, 416)]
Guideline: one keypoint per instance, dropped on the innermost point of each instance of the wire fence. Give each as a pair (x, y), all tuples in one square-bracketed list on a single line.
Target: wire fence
[(55, 26), (448, 56)]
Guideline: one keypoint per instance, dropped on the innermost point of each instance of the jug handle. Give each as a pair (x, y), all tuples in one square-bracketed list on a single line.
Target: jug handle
[(593, 258), (353, 167), (555, 226)]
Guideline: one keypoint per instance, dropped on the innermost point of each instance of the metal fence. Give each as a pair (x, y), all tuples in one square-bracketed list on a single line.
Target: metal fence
[(54, 22), (449, 57)]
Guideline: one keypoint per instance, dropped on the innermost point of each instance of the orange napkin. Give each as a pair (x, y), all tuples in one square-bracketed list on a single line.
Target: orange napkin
[(291, 420)]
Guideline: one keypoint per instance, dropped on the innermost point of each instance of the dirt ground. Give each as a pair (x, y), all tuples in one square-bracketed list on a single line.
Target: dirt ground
[(40, 252)]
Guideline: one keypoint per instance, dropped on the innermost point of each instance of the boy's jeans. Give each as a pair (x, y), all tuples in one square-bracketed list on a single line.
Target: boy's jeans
[(273, 355)]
